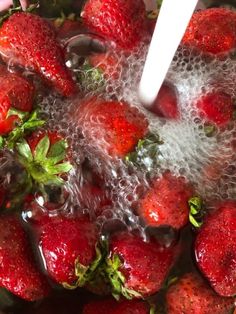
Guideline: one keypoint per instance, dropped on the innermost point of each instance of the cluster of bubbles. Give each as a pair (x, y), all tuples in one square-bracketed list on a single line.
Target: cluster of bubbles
[(207, 161)]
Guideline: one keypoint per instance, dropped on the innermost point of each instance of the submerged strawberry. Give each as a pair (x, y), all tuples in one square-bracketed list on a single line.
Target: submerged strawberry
[(112, 127), (68, 247), (166, 202), (191, 295), (166, 103), (95, 198), (68, 28), (118, 20), (136, 268), (215, 249), (212, 31), (18, 271), (17, 94), (218, 107), (30, 41), (111, 306), (106, 63), (43, 156)]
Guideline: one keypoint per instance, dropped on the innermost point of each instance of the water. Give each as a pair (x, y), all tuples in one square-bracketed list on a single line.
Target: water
[(208, 162), (171, 24), (187, 149)]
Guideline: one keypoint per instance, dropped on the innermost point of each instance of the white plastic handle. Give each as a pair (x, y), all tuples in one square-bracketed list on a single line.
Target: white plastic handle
[(172, 22)]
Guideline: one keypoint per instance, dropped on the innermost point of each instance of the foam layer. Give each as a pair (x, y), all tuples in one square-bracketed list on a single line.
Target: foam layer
[(209, 162)]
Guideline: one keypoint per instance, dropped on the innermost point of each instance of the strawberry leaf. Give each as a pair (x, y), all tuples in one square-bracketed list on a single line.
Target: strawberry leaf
[(209, 130), (53, 180), (60, 168), (152, 310), (83, 273), (15, 112), (1, 142), (159, 3), (196, 212), (117, 279), (91, 78), (42, 149), (29, 123), (58, 149), (16, 3), (24, 150)]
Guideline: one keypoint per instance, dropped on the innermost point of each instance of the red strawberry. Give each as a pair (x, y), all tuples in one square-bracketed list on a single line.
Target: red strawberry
[(215, 249), (16, 93), (166, 202), (30, 41), (43, 156), (137, 268), (68, 247), (106, 63), (118, 125), (212, 31), (166, 104), (94, 198), (16, 90), (2, 195), (18, 271), (218, 107), (68, 28), (118, 20), (111, 306), (191, 295)]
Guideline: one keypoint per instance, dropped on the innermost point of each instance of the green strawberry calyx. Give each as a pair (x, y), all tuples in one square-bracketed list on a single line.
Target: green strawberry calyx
[(45, 165), (91, 78), (196, 211), (146, 154), (29, 122), (117, 279), (83, 273)]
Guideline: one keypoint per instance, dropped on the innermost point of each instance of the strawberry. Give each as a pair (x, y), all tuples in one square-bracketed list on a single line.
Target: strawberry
[(111, 306), (30, 41), (217, 107), (166, 202), (43, 156), (215, 248), (191, 295), (69, 250), (106, 63), (136, 268), (118, 125), (166, 104), (17, 91), (18, 272), (212, 31), (121, 21), (17, 94), (94, 198), (68, 28), (2, 196)]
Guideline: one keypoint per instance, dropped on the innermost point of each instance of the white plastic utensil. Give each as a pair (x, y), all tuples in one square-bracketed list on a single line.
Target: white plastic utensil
[(172, 22)]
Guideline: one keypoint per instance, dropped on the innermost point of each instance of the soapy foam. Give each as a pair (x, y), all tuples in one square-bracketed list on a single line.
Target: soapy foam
[(206, 161)]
